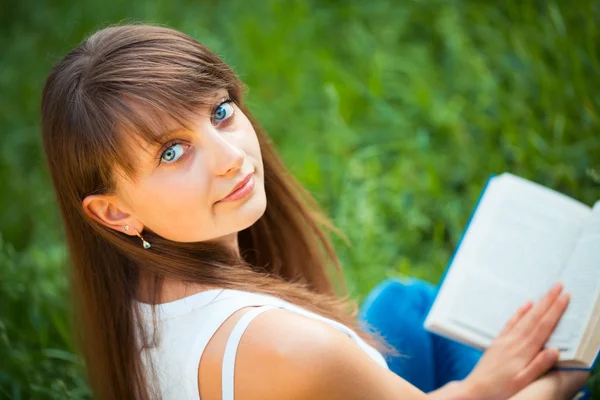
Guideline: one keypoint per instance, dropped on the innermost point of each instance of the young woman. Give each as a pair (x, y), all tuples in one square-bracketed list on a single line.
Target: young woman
[(201, 267)]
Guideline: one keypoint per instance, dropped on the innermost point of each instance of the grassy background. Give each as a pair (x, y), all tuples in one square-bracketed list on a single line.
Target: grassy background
[(392, 113)]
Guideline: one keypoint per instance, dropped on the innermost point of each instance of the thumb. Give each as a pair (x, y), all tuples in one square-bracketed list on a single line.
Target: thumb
[(570, 382)]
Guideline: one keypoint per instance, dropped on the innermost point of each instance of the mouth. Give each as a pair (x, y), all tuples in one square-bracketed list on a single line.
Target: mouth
[(241, 190)]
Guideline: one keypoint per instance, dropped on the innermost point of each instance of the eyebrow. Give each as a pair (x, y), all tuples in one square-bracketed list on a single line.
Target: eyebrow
[(164, 137), (168, 135), (150, 147)]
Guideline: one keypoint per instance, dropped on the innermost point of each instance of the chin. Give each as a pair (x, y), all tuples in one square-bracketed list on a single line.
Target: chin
[(253, 209)]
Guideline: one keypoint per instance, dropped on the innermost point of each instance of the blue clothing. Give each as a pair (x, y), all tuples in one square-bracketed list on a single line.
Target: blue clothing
[(397, 309)]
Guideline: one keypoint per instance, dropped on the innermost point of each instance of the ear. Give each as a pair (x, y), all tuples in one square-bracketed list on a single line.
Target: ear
[(106, 210)]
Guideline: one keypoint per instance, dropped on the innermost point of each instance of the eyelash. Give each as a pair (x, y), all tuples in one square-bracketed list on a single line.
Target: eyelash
[(175, 142), (215, 108)]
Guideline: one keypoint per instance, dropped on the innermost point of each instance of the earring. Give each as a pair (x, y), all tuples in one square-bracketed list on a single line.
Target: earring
[(144, 243)]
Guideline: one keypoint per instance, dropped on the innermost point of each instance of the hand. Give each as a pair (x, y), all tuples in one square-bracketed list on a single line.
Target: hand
[(516, 358), (557, 385)]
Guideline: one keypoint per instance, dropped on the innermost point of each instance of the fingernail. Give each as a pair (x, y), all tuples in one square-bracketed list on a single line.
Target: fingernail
[(526, 305), (552, 353)]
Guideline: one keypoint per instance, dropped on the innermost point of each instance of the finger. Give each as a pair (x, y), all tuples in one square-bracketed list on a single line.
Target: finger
[(524, 309), (541, 363), (550, 319), (529, 321)]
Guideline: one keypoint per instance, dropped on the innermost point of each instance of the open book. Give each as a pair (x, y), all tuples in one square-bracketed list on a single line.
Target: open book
[(521, 239)]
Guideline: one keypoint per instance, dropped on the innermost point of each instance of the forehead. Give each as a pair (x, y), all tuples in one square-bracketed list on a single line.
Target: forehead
[(153, 123)]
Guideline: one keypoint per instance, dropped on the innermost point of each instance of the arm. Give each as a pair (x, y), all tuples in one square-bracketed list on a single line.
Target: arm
[(285, 355), (452, 391), (557, 385)]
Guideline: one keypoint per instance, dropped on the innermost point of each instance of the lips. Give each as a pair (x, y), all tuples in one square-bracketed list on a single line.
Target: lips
[(242, 183), (239, 185)]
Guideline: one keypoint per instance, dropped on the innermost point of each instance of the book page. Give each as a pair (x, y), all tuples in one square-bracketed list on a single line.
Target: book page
[(517, 245), (488, 315), (581, 278)]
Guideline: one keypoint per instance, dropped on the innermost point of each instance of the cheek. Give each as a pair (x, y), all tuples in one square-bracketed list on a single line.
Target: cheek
[(175, 204), (251, 144)]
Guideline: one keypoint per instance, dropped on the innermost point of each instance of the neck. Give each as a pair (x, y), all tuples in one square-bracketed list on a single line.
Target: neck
[(175, 289), (171, 289)]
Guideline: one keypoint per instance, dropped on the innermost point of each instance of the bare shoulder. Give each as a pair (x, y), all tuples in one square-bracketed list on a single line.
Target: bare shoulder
[(284, 355)]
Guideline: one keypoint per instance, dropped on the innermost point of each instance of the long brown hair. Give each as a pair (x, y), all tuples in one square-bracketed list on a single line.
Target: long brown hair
[(88, 106)]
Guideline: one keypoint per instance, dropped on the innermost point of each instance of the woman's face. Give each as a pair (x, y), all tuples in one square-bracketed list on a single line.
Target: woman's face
[(180, 189)]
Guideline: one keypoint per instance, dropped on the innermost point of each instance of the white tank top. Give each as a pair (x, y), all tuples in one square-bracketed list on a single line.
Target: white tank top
[(185, 327)]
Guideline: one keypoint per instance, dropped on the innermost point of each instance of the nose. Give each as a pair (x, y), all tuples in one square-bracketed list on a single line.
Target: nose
[(226, 156)]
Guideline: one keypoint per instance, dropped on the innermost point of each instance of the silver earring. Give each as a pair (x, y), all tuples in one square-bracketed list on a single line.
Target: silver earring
[(144, 242), (126, 228)]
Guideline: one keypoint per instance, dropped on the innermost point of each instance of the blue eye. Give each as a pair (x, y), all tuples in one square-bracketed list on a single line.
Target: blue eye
[(172, 153), (223, 111)]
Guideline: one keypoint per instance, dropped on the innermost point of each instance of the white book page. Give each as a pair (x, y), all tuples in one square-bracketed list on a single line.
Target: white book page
[(581, 278), (516, 247)]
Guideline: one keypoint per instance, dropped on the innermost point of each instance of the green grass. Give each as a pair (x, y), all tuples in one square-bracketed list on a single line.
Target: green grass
[(393, 114)]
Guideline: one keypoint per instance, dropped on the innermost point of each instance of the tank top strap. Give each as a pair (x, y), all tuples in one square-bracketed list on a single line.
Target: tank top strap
[(228, 369), (214, 315)]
